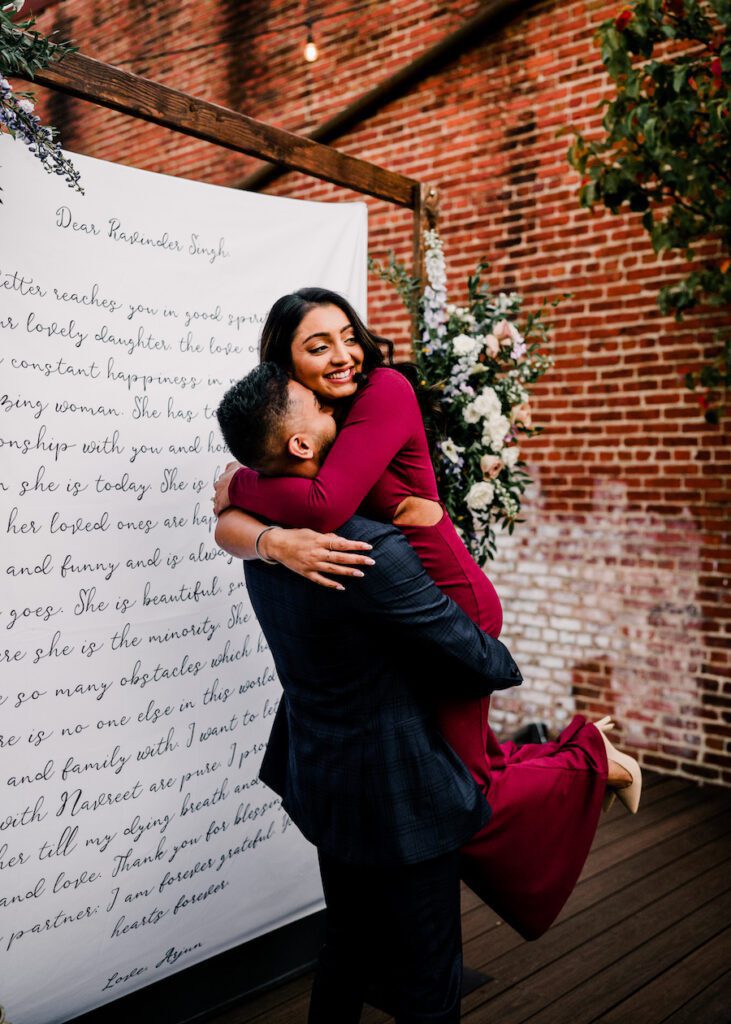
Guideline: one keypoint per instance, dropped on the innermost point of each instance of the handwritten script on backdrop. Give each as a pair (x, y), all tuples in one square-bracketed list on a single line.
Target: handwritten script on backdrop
[(136, 689)]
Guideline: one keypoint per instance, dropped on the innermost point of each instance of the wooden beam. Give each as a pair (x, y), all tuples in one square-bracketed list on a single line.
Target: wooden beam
[(418, 255), (108, 86), (492, 15)]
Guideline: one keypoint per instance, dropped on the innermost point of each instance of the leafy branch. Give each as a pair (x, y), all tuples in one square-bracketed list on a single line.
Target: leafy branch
[(23, 51), (665, 150)]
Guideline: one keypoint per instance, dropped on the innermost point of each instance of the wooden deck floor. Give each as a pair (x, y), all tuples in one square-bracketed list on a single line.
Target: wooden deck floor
[(644, 939)]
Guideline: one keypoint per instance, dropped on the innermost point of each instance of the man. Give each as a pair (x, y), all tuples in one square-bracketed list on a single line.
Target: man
[(354, 753)]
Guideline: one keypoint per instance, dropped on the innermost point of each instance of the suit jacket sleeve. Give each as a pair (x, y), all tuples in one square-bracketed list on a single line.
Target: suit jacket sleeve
[(397, 592)]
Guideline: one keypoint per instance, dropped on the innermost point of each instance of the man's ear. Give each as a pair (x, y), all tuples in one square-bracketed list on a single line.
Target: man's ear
[(299, 447)]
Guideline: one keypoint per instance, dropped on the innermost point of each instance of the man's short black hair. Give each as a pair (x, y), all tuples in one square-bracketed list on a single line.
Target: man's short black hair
[(252, 417)]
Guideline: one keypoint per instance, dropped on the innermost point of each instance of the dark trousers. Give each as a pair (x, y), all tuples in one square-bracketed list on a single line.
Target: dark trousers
[(393, 939)]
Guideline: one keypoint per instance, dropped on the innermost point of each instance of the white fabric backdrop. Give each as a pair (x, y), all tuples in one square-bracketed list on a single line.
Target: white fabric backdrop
[(136, 692)]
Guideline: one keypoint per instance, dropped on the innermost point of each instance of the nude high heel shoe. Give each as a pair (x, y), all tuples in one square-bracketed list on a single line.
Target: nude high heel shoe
[(604, 725), (628, 795)]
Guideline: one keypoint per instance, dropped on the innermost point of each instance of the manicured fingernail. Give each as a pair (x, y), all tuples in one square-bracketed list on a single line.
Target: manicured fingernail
[(339, 587), (357, 572), (370, 561)]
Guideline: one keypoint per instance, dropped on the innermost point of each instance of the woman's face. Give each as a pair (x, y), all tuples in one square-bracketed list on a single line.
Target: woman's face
[(325, 354)]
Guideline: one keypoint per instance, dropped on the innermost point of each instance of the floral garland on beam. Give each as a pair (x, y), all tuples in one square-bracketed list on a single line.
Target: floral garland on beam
[(23, 50)]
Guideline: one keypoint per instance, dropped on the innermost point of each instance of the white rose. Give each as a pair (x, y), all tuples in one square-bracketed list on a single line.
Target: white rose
[(496, 428), (26, 106), (451, 450), (486, 405), (491, 466), (488, 402), (471, 414), (511, 456), (463, 345), (480, 496)]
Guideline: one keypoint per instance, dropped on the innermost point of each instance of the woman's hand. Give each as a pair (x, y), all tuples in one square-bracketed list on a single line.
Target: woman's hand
[(220, 492), (311, 554)]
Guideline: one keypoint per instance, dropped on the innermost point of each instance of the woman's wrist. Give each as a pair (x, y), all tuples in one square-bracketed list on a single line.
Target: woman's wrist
[(266, 544)]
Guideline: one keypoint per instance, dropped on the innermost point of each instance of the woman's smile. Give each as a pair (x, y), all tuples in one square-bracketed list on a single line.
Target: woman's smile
[(326, 355), (342, 376)]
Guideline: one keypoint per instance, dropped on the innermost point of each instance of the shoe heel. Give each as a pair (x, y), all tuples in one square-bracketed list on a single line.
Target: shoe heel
[(604, 725), (629, 795)]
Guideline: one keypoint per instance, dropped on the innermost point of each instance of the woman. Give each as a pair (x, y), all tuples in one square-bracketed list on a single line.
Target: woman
[(545, 798)]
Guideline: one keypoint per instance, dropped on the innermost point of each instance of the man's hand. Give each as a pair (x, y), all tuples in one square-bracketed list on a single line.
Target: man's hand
[(311, 554), (220, 494)]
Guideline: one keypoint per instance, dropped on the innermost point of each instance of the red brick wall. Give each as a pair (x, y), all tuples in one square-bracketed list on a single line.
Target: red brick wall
[(616, 589)]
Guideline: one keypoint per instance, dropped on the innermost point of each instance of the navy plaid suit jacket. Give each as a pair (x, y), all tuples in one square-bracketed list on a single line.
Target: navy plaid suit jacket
[(354, 752)]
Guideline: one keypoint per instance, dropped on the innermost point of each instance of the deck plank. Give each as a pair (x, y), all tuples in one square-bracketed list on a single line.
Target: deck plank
[(260, 1008), (590, 888), (709, 1007), (635, 836), (624, 859), (661, 940), (644, 936), (574, 932), (652, 1003), (576, 955)]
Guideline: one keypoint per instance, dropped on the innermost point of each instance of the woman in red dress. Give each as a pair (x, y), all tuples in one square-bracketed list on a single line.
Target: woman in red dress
[(545, 798)]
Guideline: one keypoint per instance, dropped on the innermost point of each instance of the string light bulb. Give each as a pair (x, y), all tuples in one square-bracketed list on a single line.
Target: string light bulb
[(310, 51)]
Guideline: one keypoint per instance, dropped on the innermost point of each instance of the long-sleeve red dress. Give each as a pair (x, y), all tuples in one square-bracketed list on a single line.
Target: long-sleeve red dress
[(545, 798)]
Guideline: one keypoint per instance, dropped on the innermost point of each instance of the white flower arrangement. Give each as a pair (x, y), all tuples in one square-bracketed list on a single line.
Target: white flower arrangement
[(484, 364)]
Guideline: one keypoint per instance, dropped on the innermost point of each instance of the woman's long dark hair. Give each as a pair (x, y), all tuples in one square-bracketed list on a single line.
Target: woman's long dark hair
[(288, 312)]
